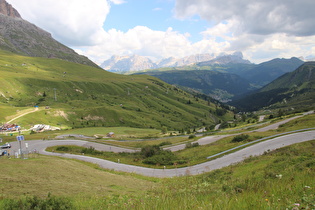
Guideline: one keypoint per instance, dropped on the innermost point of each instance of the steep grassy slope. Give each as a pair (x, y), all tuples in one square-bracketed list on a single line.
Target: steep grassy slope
[(295, 89), (265, 72), (221, 86), (80, 95)]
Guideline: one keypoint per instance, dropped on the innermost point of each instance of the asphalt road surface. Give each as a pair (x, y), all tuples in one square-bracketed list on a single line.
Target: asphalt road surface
[(238, 156), (211, 139)]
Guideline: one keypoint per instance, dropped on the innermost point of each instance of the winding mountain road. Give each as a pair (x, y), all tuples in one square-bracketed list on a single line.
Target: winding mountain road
[(232, 158), (210, 139)]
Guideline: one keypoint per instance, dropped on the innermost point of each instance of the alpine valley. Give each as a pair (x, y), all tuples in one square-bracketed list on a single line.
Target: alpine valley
[(36, 70), (201, 132)]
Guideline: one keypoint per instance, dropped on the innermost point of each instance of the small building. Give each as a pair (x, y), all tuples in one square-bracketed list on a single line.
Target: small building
[(110, 134)]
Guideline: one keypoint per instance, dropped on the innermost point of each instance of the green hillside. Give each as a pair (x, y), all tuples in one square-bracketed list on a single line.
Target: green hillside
[(75, 95), (221, 86), (264, 73), (292, 90)]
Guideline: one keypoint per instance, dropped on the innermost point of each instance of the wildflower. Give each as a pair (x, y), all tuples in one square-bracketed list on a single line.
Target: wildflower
[(266, 199), (279, 176), (296, 204), (307, 187)]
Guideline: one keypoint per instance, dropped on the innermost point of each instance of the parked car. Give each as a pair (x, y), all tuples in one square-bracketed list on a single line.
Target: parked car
[(5, 146)]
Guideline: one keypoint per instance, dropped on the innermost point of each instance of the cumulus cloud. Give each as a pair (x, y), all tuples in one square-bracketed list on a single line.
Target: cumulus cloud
[(256, 17), (144, 41), (261, 28), (74, 22)]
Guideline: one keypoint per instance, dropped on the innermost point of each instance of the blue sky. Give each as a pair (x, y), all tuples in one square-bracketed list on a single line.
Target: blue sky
[(260, 29), (157, 15)]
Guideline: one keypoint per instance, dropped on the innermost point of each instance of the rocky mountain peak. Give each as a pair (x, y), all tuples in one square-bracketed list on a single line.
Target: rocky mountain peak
[(8, 10), (138, 63), (22, 37)]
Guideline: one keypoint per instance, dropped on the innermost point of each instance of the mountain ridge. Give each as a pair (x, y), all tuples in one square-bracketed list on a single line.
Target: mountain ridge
[(136, 63), (22, 37), (294, 89)]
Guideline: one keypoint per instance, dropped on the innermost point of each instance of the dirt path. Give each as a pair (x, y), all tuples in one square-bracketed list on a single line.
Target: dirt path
[(35, 110)]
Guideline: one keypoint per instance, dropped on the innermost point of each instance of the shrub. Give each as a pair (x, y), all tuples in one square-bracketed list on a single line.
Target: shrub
[(191, 136), (163, 158), (240, 138), (62, 148), (190, 145), (164, 143), (196, 144), (91, 151), (51, 202), (150, 150)]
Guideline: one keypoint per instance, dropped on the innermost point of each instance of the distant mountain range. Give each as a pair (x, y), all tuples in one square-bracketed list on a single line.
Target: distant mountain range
[(24, 38), (135, 63), (294, 89), (265, 72), (226, 82)]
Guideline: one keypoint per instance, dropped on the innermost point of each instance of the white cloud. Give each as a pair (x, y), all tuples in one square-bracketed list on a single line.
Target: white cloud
[(283, 46), (157, 9), (262, 29), (118, 1), (73, 22), (144, 41), (257, 17)]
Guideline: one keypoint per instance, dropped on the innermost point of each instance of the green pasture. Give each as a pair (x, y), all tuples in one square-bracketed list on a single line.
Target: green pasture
[(119, 132), (41, 175), (173, 140)]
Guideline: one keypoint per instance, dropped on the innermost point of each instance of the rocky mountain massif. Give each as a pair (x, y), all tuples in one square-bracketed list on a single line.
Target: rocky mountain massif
[(135, 63), (19, 36)]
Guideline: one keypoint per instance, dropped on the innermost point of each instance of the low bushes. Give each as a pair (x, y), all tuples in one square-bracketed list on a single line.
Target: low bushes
[(154, 155), (33, 202), (190, 145), (240, 138)]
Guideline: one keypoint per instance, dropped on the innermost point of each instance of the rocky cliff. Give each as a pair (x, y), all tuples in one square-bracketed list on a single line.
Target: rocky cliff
[(21, 37), (8, 10)]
